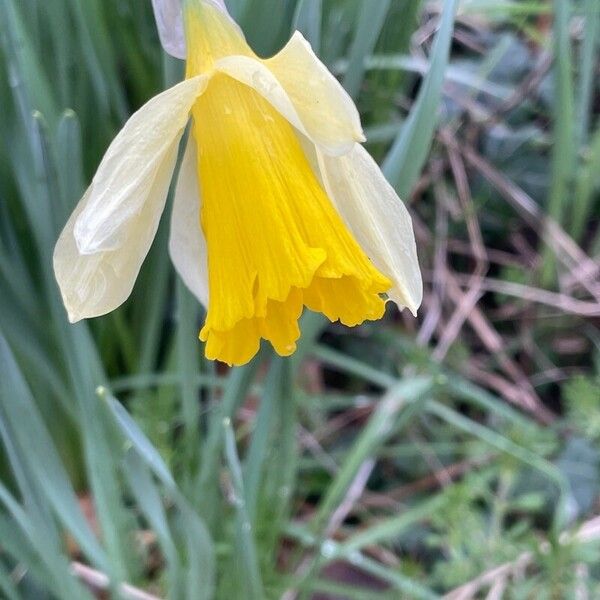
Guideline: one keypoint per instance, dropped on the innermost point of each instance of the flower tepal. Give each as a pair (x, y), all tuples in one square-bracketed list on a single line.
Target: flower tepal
[(277, 206)]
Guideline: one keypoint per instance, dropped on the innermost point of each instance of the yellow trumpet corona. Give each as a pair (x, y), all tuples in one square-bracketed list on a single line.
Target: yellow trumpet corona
[(277, 206)]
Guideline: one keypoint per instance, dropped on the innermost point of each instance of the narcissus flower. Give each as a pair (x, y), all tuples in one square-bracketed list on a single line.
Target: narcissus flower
[(277, 205)]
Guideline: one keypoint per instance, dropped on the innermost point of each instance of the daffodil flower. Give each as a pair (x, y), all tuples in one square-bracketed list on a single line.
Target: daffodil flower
[(277, 206)]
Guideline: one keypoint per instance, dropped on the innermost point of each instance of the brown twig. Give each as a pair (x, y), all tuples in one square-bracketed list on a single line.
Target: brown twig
[(433, 480), (499, 257), (567, 251), (100, 582), (502, 386), (469, 300), (355, 491), (434, 309), (540, 296), (526, 397), (527, 86)]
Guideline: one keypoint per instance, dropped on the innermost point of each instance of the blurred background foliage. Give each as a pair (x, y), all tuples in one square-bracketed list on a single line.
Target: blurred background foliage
[(455, 455)]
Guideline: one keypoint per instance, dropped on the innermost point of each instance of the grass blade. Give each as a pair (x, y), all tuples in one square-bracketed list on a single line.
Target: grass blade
[(7, 587), (387, 529), (261, 436), (206, 491), (149, 500), (249, 576), (587, 66), (390, 414), (199, 566), (563, 148), (57, 573), (409, 151), (277, 488), (36, 448), (586, 183), (188, 359), (370, 22), (308, 20), (132, 432)]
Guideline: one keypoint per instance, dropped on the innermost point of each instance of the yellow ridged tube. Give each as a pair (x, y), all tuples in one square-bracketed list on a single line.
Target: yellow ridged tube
[(275, 242)]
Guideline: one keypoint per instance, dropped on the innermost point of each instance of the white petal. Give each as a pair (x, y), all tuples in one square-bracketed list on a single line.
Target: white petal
[(318, 96), (124, 180), (187, 245), (169, 22), (378, 220), (301, 88), (94, 284)]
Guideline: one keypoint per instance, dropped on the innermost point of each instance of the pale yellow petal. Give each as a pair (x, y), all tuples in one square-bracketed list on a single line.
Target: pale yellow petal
[(169, 22), (301, 88), (187, 246), (324, 106), (94, 284), (124, 180), (378, 219)]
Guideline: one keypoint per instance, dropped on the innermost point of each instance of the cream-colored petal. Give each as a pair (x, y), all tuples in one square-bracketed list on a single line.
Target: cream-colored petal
[(315, 92), (168, 15), (378, 219), (301, 88), (94, 284), (124, 180), (169, 22), (187, 246)]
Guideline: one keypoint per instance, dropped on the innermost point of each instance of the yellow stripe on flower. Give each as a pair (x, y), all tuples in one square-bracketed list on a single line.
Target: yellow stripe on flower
[(211, 35), (275, 242)]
